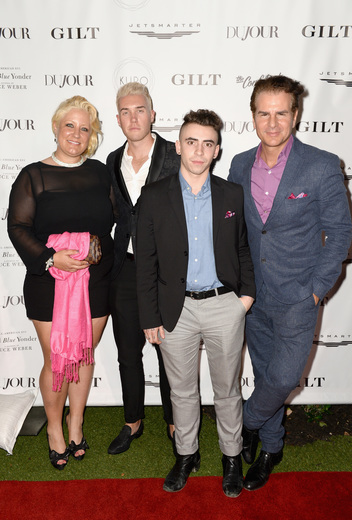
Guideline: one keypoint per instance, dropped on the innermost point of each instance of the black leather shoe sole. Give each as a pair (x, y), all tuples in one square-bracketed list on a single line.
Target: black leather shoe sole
[(124, 439)]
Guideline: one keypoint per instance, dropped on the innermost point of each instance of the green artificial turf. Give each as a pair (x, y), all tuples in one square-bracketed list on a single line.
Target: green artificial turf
[(151, 455)]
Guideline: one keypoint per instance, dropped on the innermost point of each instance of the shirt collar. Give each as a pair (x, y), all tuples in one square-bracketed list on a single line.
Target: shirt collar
[(186, 187), (283, 155)]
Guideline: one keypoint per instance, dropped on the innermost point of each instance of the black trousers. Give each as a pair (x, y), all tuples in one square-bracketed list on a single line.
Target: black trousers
[(130, 341)]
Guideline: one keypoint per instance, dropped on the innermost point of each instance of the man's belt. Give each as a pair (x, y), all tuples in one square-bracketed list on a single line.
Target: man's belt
[(201, 295)]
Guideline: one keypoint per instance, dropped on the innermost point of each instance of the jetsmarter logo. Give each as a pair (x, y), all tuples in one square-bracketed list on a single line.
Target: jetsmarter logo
[(165, 31)]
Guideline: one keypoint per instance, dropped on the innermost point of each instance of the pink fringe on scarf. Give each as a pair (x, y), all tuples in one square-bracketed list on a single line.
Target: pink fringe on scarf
[(71, 333)]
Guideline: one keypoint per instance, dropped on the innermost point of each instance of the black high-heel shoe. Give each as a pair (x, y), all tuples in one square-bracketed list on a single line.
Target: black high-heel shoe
[(73, 448), (54, 457)]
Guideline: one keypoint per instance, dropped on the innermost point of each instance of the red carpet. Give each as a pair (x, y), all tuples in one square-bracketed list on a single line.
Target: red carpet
[(296, 496)]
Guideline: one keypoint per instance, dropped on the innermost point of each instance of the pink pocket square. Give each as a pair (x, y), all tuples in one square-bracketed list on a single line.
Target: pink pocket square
[(230, 214), (300, 196)]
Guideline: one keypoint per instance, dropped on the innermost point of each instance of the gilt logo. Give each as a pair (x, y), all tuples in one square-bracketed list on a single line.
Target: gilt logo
[(165, 31)]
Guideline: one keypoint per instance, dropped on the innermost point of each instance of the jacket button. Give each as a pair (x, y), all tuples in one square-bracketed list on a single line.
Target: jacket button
[(182, 280), (133, 211), (263, 260), (186, 253), (264, 232)]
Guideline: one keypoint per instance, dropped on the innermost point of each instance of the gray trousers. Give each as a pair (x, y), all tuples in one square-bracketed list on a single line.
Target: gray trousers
[(219, 321)]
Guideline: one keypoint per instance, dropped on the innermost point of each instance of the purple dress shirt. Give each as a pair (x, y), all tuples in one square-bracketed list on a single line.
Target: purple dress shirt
[(265, 181)]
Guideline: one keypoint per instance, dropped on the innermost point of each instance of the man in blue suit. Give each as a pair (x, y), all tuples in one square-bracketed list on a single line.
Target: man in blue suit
[(293, 194)]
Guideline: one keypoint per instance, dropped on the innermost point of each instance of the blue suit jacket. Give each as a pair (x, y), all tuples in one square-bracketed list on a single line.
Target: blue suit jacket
[(287, 251)]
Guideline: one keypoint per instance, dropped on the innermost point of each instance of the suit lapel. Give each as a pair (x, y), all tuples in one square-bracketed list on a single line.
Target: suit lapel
[(119, 177), (217, 199), (157, 160), (176, 203), (247, 186), (293, 167)]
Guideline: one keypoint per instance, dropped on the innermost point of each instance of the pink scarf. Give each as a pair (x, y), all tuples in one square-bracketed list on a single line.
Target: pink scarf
[(71, 331)]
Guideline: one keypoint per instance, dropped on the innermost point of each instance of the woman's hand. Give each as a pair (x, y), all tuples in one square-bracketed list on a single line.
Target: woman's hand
[(63, 260)]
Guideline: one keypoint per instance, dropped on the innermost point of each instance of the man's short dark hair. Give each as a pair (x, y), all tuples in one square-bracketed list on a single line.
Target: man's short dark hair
[(277, 84), (204, 118)]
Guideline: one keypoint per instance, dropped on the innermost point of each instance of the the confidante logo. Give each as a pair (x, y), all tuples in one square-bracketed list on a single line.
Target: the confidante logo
[(68, 80), (133, 69), (248, 81), (165, 31), (339, 79), (247, 32), (327, 31), (75, 33), (15, 33)]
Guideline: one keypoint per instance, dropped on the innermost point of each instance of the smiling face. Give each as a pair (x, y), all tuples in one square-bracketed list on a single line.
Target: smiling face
[(135, 117), (72, 133), (198, 147), (274, 120)]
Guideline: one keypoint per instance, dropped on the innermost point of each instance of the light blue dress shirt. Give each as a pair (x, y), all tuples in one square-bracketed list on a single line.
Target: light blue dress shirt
[(201, 273)]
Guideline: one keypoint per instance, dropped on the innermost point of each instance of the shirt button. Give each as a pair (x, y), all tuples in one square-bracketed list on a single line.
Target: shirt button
[(195, 238), (266, 193), (269, 172), (196, 259)]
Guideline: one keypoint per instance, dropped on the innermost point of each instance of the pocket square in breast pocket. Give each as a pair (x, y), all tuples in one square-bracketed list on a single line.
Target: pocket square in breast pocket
[(230, 214), (300, 196)]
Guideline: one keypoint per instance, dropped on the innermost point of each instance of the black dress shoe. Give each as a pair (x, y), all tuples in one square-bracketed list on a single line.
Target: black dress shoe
[(250, 444), (232, 482), (124, 439), (177, 478), (258, 474)]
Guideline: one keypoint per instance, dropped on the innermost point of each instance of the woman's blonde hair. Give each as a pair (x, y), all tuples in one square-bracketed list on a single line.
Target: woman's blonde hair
[(81, 103)]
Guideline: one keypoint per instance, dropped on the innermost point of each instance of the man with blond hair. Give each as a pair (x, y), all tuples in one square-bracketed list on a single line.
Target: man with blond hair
[(144, 158)]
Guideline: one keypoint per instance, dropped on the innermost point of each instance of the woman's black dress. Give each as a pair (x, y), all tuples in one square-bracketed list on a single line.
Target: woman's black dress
[(47, 200)]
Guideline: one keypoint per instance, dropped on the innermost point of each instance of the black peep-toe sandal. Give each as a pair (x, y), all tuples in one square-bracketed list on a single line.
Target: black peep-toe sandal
[(73, 448), (54, 457)]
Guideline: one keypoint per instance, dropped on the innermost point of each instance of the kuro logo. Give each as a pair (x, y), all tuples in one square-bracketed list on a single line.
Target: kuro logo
[(196, 79), (323, 127), (16, 124), (17, 33), (252, 31), (70, 80), (75, 33), (327, 31)]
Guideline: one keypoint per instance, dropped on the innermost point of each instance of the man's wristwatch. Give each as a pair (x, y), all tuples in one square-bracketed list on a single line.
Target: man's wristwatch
[(49, 263)]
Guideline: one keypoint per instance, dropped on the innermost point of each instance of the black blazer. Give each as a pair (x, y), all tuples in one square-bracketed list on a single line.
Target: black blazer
[(162, 248), (165, 161)]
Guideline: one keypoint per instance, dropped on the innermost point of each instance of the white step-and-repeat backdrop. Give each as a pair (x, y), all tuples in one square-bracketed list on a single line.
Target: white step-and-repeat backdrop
[(199, 54)]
